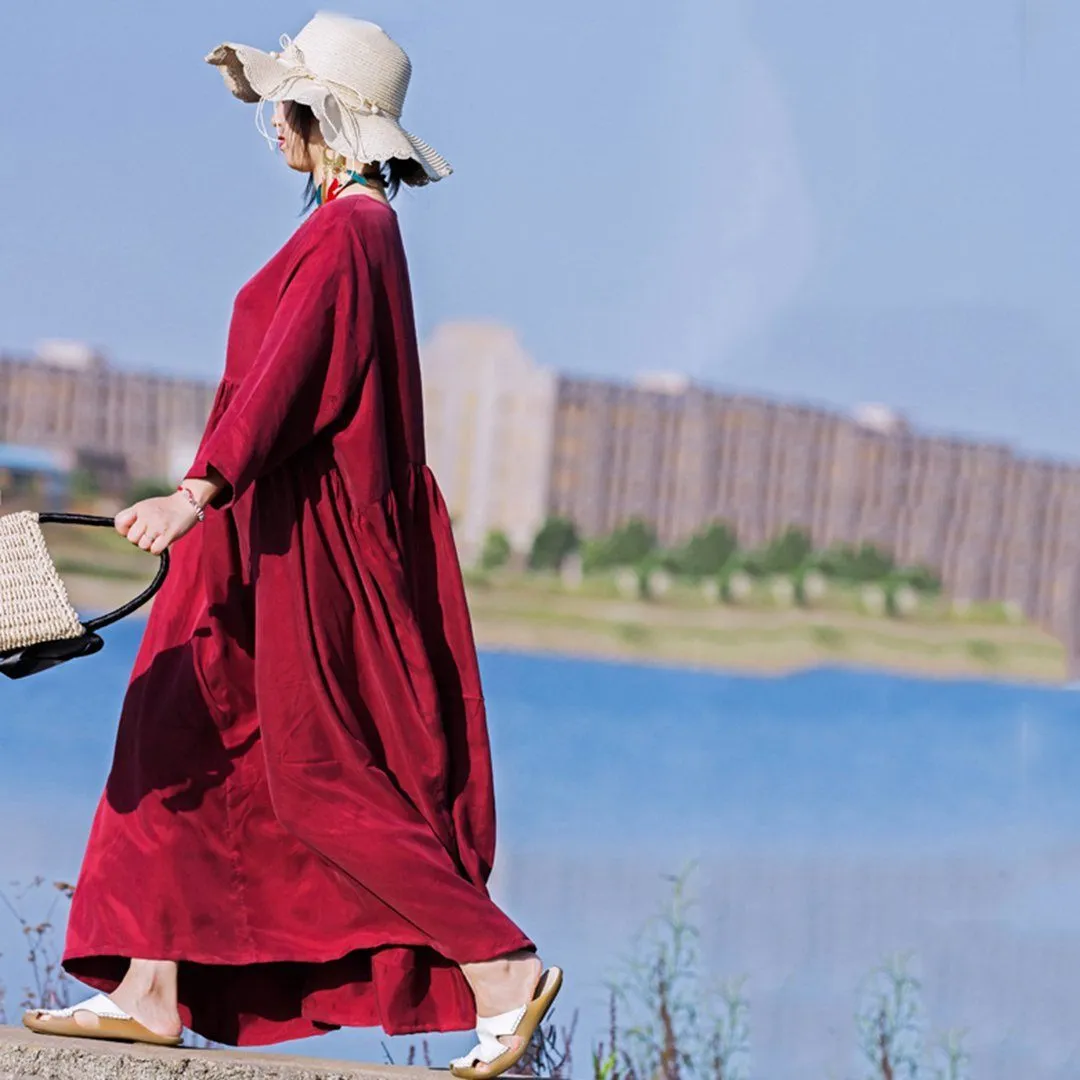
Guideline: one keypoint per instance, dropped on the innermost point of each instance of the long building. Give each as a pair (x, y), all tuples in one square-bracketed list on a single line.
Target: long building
[(489, 433), (995, 525), (68, 398), (514, 442)]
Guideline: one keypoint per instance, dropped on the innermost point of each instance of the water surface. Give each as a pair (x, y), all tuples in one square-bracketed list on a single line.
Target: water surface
[(836, 817)]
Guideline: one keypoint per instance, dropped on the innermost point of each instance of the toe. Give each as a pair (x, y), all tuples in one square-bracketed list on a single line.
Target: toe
[(86, 1019)]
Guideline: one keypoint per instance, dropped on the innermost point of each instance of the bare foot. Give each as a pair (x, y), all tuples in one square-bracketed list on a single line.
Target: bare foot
[(501, 985), (148, 993)]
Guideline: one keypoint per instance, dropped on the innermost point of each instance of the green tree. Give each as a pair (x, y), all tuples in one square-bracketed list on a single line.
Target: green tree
[(921, 578), (556, 539), (872, 564), (787, 552), (865, 563), (629, 545), (749, 562), (496, 550), (706, 552)]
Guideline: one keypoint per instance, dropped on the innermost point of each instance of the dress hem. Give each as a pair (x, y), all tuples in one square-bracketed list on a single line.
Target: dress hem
[(189, 956)]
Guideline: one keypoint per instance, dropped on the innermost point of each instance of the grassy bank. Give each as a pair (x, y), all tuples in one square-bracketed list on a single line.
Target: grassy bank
[(537, 613)]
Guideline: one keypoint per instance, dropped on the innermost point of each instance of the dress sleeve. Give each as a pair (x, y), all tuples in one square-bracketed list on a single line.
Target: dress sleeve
[(312, 360)]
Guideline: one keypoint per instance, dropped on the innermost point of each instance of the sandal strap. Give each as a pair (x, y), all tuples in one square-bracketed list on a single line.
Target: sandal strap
[(504, 1024), (489, 1029), (487, 1050), (100, 1005)]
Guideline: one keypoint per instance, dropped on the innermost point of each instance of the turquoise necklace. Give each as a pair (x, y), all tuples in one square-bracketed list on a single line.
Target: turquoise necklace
[(337, 186)]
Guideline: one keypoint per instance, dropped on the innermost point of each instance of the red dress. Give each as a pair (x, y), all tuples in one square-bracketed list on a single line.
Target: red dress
[(300, 806)]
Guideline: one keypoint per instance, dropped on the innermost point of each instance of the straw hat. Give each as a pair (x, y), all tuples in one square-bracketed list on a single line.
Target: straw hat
[(352, 75)]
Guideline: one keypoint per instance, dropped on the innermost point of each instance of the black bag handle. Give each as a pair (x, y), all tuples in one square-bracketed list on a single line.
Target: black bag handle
[(133, 605), (21, 663)]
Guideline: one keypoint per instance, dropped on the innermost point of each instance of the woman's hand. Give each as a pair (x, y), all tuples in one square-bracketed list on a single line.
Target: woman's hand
[(154, 524)]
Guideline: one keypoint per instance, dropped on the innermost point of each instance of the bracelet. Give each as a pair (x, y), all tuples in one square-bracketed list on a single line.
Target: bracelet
[(199, 512)]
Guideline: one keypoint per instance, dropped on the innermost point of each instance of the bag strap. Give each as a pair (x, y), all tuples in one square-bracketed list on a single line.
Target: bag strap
[(133, 605)]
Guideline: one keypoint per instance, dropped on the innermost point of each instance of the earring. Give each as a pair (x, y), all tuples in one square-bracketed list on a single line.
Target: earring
[(333, 163), (336, 176), (333, 166)]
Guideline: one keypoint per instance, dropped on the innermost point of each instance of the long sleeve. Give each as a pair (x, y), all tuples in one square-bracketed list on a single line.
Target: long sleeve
[(309, 366)]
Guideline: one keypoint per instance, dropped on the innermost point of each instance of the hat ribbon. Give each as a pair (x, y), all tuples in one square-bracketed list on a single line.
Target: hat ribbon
[(349, 102)]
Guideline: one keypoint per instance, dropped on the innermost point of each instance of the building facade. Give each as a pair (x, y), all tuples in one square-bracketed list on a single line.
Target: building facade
[(994, 525), (77, 402), (489, 420), (513, 443)]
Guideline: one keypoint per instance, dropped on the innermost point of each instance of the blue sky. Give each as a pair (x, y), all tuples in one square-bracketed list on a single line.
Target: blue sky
[(835, 201)]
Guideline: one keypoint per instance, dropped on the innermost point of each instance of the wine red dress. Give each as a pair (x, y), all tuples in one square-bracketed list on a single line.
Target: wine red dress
[(300, 807)]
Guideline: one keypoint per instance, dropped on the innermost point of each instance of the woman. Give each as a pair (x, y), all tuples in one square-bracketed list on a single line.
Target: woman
[(298, 826)]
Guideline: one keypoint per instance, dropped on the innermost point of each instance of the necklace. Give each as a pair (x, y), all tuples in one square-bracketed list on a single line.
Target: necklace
[(336, 186)]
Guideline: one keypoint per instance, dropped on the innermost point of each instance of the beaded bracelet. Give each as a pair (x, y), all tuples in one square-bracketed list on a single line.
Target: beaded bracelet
[(199, 512)]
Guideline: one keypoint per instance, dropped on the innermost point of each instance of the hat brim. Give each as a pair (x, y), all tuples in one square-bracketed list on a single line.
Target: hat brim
[(254, 76)]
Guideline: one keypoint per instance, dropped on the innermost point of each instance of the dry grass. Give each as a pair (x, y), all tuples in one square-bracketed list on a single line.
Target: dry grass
[(47, 986), (667, 1021)]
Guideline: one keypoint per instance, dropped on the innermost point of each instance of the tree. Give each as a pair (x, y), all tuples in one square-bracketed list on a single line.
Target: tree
[(706, 552), (866, 563), (556, 540), (496, 550), (629, 545), (748, 562), (787, 552), (920, 578), (872, 564)]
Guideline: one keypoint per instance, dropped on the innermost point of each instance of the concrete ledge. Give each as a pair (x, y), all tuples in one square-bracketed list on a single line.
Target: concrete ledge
[(26, 1056)]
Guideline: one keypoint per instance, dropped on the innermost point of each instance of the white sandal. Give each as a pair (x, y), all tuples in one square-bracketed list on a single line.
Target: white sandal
[(112, 1023), (522, 1022)]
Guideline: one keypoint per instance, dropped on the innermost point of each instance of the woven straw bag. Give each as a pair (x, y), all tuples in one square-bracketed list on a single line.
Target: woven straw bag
[(38, 626)]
